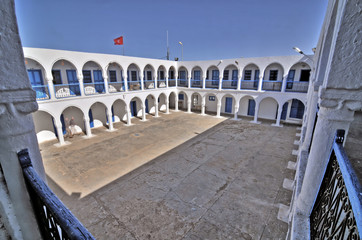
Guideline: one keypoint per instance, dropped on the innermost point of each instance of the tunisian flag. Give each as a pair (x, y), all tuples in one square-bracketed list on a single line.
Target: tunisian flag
[(118, 41)]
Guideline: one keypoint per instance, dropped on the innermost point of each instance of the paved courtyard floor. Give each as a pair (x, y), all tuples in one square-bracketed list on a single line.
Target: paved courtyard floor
[(180, 176)]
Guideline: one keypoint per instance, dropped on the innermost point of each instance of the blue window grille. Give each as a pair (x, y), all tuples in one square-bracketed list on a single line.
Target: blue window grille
[(98, 80), (73, 82), (182, 77), (197, 77), (297, 109)]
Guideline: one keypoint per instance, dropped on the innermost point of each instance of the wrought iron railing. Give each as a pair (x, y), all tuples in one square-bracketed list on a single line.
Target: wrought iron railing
[(55, 221), (66, 90), (249, 84), (337, 211), (229, 84), (272, 85), (296, 86), (42, 92), (211, 83)]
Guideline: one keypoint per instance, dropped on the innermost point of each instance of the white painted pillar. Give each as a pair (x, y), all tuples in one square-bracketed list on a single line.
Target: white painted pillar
[(59, 128), (189, 104), (166, 81), (81, 85), (87, 126), (142, 82), (218, 109), (203, 82), (284, 83), (176, 77), (329, 120), (256, 113), (189, 82), (176, 102), (311, 115), (239, 83), (236, 110), (260, 84), (51, 88), (279, 115), (220, 82), (203, 103), (125, 81), (156, 108), (156, 81), (106, 84), (128, 112), (167, 106), (110, 122), (143, 112)]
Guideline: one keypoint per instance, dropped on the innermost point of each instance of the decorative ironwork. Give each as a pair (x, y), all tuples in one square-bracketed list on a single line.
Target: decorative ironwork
[(55, 221), (333, 216)]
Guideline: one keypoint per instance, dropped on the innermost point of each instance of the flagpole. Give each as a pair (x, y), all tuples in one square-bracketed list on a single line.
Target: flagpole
[(123, 49)]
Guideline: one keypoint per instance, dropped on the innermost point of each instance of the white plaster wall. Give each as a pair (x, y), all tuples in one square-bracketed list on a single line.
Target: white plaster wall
[(197, 69), (274, 66), (211, 106), (119, 110), (182, 103), (99, 115), (118, 69), (44, 128), (151, 104), (268, 109), (230, 68), (162, 103), (244, 106), (31, 64), (196, 100), (172, 100), (78, 118)]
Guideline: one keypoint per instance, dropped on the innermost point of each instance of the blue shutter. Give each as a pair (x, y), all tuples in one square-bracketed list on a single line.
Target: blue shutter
[(63, 124), (91, 123), (146, 103), (251, 107), (284, 111), (228, 104)]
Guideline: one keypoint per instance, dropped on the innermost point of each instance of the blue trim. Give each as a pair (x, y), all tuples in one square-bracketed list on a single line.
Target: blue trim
[(284, 111), (90, 115), (63, 124), (228, 104), (72, 80)]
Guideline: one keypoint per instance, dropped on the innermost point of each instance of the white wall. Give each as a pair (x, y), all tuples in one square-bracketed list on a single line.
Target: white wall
[(99, 114), (211, 106), (244, 106), (268, 109), (119, 110), (43, 126)]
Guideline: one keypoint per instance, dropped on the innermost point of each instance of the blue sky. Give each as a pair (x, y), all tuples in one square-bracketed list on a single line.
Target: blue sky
[(212, 29)]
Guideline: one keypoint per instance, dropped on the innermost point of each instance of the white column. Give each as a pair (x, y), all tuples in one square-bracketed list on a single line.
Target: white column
[(142, 82), (329, 120), (218, 110), (279, 115), (106, 84), (110, 122), (156, 108), (81, 85), (125, 81), (311, 115), (256, 112), (203, 105), (220, 82), (87, 126), (167, 106), (203, 82), (176, 77), (189, 104), (128, 112), (260, 84), (166, 81), (59, 128), (143, 112), (51, 88), (284, 83), (176, 102), (236, 110), (156, 81), (239, 83), (189, 82)]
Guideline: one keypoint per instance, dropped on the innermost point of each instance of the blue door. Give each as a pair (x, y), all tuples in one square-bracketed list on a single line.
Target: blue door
[(98, 81), (284, 111), (228, 104), (251, 107), (146, 103), (73, 82), (90, 115), (134, 109), (63, 124), (36, 80)]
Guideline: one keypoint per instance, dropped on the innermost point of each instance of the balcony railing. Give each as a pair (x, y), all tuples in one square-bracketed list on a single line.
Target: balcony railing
[(114, 87), (42, 92), (134, 85), (272, 85), (297, 87), (161, 83), (66, 90), (94, 88), (196, 83), (337, 211), (171, 82), (229, 84), (249, 84), (55, 221), (182, 83), (149, 84), (211, 84)]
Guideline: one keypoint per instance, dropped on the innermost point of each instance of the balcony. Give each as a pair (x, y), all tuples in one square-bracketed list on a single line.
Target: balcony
[(182, 83), (66, 90), (196, 83), (134, 85), (297, 87), (229, 84), (114, 87), (275, 86), (149, 84), (161, 83), (94, 88), (172, 82), (42, 92), (249, 84), (212, 84)]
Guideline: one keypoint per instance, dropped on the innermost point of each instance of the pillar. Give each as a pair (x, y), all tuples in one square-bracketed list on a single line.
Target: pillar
[(167, 106), (156, 108), (279, 115), (256, 113), (218, 110), (128, 112), (260, 84), (203, 82), (176, 102), (87, 126), (311, 114), (143, 112), (142, 82), (106, 84), (166, 81), (110, 120), (51, 88), (203, 105), (236, 110), (81, 85), (284, 83), (239, 83), (189, 104), (189, 82), (220, 82), (125, 81)]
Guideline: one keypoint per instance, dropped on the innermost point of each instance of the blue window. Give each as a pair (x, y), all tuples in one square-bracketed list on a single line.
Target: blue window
[(112, 76), (73, 82), (181, 96), (284, 111), (133, 75), (228, 104), (212, 98), (251, 107), (149, 75), (35, 77), (87, 76), (146, 103), (273, 75), (215, 77), (226, 75), (290, 79), (98, 80), (57, 77), (133, 108), (256, 78), (182, 77), (247, 74), (197, 77), (297, 109), (90, 115), (234, 78)]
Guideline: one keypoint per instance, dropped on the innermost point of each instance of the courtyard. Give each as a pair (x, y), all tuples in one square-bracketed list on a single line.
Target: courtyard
[(180, 176)]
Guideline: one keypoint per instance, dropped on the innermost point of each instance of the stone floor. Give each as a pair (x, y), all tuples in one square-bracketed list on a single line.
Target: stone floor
[(180, 176)]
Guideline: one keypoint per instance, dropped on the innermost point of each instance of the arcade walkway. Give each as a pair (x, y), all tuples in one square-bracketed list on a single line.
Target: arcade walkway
[(208, 178)]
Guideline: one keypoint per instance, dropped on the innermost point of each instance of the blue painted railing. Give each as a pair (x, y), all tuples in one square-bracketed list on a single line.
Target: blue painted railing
[(66, 90), (211, 84), (229, 84), (196, 83), (296, 86), (249, 84), (272, 85), (94, 88), (182, 82), (42, 92)]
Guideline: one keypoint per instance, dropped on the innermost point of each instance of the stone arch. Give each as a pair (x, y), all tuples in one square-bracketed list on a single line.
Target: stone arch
[(38, 78), (65, 79), (183, 75), (97, 115), (93, 78), (149, 76), (293, 108), (135, 106), (271, 67), (211, 100), (196, 102), (247, 106), (182, 100), (44, 126), (172, 76), (150, 103), (162, 102), (119, 112), (230, 77), (196, 76), (115, 75), (268, 108), (161, 76), (172, 99), (226, 106), (298, 76), (250, 76), (133, 77), (77, 114), (212, 77)]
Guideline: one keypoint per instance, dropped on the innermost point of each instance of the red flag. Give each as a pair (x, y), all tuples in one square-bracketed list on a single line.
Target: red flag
[(118, 41)]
